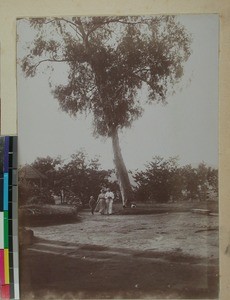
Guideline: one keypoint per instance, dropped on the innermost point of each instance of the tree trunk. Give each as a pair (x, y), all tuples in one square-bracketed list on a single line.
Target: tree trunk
[(121, 171)]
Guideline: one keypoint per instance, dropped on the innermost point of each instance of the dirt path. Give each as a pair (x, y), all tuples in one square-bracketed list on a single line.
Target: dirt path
[(124, 257), (188, 233)]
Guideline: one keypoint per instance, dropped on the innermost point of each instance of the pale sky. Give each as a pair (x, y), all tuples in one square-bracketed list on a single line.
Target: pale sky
[(186, 127)]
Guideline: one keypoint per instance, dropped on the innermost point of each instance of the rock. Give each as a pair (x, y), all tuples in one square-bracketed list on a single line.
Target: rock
[(26, 236)]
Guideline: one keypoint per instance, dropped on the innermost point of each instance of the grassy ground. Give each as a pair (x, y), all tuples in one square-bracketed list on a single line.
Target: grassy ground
[(172, 254), (182, 206), (43, 215)]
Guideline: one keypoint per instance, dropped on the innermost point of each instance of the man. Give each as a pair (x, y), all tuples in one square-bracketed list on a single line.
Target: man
[(109, 197)]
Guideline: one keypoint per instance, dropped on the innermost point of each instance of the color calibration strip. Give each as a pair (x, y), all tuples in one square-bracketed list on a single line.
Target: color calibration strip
[(9, 273)]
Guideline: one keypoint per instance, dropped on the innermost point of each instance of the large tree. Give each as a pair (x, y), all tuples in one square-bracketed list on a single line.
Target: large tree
[(110, 59)]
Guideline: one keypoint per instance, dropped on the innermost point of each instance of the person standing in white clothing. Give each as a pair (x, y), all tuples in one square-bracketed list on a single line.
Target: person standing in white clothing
[(109, 197)]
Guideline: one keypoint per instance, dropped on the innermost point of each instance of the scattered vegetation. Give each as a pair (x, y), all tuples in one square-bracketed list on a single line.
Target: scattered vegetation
[(72, 183), (163, 181), (43, 215)]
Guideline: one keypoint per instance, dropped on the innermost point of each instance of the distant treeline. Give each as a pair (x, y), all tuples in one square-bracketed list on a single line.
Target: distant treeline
[(49, 178), (163, 180)]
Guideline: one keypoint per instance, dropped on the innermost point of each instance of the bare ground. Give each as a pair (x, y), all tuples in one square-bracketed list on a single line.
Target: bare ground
[(165, 255)]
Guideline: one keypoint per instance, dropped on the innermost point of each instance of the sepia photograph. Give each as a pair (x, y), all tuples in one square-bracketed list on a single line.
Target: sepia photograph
[(118, 157)]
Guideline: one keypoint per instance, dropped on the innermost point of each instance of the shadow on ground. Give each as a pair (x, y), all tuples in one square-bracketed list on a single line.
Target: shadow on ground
[(81, 271)]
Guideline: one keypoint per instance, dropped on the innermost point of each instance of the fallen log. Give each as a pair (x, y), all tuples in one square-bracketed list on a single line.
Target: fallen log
[(201, 211)]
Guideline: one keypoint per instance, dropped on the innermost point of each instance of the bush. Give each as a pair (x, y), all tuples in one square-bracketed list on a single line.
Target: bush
[(42, 215)]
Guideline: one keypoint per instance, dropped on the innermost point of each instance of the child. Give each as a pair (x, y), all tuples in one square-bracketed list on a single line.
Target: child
[(92, 204)]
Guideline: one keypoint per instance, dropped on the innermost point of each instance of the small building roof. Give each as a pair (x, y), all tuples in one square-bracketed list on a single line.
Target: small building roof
[(29, 172)]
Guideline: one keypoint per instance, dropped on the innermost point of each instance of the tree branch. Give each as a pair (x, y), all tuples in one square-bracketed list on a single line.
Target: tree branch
[(142, 79), (81, 28), (51, 60), (75, 28), (115, 20), (130, 23)]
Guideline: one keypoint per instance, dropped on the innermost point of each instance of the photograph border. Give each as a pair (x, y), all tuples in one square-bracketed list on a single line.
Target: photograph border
[(12, 9)]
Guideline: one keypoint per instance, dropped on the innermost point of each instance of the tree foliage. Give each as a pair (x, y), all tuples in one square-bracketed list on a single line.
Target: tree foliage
[(82, 177), (158, 181), (163, 180), (110, 59), (197, 182), (73, 182), (49, 167)]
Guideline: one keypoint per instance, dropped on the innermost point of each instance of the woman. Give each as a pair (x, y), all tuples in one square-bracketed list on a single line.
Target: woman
[(109, 197), (101, 203)]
